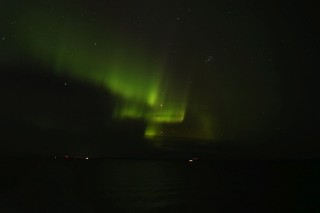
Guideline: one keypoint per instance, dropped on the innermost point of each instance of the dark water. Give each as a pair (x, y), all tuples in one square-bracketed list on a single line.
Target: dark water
[(159, 186)]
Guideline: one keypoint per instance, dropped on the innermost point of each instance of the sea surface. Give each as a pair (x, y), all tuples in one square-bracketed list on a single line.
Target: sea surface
[(133, 185)]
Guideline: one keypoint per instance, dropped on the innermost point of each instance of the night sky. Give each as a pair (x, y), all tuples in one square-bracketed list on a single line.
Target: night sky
[(125, 78)]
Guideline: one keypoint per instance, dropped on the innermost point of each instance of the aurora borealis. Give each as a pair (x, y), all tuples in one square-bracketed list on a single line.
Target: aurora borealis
[(139, 80), (209, 71)]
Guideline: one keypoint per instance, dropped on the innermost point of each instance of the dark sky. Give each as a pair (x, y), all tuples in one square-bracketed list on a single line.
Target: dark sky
[(125, 78)]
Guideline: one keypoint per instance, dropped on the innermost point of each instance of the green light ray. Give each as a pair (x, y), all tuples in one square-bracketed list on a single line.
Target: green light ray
[(127, 72)]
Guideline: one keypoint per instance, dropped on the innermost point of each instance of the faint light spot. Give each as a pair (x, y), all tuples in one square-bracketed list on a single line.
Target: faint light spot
[(161, 105), (190, 161), (87, 158), (65, 84), (178, 18), (95, 43), (209, 59)]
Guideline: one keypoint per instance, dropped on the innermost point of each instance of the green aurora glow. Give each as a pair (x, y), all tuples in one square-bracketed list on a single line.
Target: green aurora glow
[(138, 78), (193, 74)]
